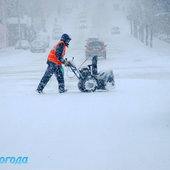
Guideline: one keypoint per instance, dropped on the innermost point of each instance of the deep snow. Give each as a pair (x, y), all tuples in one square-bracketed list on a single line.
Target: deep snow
[(126, 128)]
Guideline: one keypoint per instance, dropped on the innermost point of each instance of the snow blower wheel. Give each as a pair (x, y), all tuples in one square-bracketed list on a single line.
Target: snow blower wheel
[(90, 84)]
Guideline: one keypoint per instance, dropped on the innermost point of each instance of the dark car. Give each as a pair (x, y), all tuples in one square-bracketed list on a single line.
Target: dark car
[(115, 30), (83, 24), (44, 37), (38, 46), (22, 44), (95, 47)]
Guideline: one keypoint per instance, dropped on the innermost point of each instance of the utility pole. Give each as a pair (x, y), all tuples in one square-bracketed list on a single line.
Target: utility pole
[(3, 24), (19, 20)]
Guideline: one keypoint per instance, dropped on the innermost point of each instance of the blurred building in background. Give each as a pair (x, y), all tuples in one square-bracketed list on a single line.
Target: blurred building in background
[(20, 20), (18, 23)]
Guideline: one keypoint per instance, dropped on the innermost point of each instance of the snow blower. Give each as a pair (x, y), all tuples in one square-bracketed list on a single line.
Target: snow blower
[(89, 79)]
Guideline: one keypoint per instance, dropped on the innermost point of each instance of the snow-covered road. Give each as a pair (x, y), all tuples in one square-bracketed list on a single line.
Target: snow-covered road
[(127, 128)]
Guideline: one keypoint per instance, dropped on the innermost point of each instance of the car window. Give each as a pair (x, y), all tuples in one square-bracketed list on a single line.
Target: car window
[(95, 43)]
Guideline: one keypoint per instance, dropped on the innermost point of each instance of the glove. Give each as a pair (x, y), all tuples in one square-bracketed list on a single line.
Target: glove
[(66, 63)]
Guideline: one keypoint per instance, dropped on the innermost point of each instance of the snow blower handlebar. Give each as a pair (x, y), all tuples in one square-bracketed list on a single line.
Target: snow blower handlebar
[(75, 70), (92, 67)]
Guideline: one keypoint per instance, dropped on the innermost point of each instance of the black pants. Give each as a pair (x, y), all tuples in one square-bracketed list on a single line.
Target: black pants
[(52, 69)]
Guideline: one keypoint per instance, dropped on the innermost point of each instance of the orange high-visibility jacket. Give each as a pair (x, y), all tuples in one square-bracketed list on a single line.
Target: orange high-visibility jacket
[(52, 55)]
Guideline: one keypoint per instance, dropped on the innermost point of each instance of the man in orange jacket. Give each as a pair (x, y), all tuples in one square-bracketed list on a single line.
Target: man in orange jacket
[(55, 60)]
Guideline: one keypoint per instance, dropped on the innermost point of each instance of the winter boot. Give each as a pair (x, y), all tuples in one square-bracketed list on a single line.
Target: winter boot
[(39, 91), (63, 91), (61, 88)]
